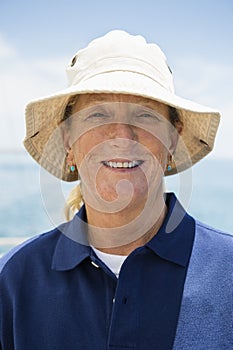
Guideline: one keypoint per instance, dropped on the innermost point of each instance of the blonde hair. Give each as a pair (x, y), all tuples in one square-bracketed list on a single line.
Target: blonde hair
[(74, 202)]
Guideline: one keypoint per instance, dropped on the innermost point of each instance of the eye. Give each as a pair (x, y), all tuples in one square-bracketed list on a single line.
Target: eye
[(145, 115), (96, 115), (149, 116)]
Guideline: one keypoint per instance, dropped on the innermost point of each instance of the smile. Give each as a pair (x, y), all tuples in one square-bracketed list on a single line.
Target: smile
[(125, 164)]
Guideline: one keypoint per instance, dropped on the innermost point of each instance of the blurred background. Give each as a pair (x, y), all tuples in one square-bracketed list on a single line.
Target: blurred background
[(37, 41)]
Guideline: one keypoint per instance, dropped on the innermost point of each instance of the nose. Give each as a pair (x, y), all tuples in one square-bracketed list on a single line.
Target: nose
[(120, 130)]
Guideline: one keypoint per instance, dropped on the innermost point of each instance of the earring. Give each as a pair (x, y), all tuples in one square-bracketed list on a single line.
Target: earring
[(169, 164), (72, 168)]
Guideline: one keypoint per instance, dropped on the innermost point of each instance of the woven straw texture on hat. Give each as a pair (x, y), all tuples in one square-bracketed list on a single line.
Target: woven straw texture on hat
[(117, 63), (44, 139)]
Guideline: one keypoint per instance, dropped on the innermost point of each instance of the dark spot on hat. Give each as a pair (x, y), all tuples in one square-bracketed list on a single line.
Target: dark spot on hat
[(205, 143), (169, 68), (35, 134), (73, 61)]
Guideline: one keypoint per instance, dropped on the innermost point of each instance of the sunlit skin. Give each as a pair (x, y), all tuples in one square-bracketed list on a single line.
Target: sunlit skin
[(121, 133)]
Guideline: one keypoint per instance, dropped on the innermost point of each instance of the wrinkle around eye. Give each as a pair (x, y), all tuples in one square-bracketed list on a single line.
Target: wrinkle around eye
[(149, 117), (96, 115)]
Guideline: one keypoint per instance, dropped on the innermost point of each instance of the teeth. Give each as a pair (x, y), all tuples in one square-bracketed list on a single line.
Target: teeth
[(132, 164)]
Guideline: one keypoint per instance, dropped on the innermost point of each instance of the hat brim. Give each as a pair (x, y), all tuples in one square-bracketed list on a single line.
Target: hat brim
[(44, 142)]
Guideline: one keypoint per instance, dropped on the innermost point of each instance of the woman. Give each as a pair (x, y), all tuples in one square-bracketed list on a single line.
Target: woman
[(132, 269)]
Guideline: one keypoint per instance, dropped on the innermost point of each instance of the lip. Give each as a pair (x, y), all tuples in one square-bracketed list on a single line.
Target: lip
[(122, 165)]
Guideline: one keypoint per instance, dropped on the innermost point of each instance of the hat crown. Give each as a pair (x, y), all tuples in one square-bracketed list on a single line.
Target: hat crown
[(123, 64), (120, 51)]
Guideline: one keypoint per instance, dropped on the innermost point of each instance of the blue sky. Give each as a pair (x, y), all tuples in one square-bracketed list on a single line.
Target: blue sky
[(38, 38)]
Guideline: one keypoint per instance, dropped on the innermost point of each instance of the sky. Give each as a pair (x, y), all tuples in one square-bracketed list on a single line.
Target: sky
[(38, 39)]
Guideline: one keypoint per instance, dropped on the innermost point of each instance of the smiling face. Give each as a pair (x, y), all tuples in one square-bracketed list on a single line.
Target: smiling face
[(122, 151)]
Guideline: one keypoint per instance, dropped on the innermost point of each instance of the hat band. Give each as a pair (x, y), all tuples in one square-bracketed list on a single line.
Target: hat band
[(162, 77)]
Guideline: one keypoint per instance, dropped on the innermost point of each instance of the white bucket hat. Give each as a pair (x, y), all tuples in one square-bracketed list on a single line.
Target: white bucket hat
[(117, 63)]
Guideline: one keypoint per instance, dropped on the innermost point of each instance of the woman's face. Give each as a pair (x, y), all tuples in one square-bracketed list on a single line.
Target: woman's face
[(122, 149)]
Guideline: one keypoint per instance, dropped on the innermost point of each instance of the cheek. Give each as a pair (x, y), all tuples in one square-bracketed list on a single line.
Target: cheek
[(84, 145), (158, 147)]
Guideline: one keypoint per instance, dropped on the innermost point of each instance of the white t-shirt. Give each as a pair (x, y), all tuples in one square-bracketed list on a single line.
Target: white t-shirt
[(114, 262)]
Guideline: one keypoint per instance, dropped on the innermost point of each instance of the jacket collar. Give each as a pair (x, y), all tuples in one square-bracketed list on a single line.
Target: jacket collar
[(72, 246), (173, 241)]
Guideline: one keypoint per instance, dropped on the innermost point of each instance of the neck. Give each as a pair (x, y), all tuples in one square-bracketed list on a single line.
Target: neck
[(119, 234), (128, 248)]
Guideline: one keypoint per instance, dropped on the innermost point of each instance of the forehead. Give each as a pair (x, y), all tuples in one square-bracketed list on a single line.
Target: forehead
[(88, 100)]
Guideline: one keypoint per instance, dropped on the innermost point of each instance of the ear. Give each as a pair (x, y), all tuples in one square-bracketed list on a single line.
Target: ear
[(174, 135), (67, 147), (70, 158), (65, 137)]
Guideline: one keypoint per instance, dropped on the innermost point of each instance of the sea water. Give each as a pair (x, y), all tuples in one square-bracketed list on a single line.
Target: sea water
[(32, 201)]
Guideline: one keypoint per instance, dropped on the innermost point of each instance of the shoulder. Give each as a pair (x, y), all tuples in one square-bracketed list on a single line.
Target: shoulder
[(28, 252), (213, 241), (210, 264), (213, 232)]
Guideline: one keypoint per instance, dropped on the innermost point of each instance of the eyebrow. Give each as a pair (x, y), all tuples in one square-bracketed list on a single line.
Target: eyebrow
[(101, 98), (97, 98), (145, 103)]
